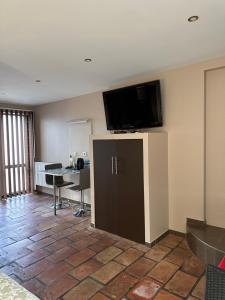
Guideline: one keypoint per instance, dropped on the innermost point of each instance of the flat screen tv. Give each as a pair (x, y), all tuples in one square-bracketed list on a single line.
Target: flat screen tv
[(134, 107)]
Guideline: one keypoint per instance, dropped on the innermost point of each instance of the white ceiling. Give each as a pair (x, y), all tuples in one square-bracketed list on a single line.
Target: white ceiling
[(48, 40)]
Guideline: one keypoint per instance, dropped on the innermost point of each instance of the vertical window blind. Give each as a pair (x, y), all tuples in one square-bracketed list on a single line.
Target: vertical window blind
[(16, 152)]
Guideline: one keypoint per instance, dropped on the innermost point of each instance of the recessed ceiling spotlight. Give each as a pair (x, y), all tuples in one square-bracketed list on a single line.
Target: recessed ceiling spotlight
[(193, 18), (88, 60), (38, 80)]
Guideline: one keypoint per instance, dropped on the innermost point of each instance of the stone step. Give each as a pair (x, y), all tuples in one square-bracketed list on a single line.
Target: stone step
[(206, 241)]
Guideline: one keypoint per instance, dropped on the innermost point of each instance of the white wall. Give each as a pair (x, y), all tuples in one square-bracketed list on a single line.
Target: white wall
[(183, 101)]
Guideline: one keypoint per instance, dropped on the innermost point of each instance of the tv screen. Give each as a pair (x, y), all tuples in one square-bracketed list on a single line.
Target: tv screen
[(134, 107)]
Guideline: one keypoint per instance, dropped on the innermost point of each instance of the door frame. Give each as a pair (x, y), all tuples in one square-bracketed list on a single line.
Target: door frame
[(204, 137)]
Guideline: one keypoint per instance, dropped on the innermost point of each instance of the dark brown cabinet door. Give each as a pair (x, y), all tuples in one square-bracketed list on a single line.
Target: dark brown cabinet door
[(130, 189), (119, 187), (106, 216)]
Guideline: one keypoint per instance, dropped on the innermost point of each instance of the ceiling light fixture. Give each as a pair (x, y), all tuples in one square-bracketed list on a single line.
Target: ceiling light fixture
[(88, 60), (38, 80), (193, 18)]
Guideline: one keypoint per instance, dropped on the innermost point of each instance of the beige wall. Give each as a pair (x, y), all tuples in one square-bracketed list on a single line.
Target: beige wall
[(183, 101), (52, 127), (215, 147)]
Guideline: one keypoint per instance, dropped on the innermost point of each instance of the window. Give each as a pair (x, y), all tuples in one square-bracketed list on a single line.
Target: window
[(16, 159)]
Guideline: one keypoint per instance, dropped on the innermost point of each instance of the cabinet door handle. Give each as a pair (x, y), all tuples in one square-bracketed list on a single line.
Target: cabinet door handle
[(116, 165), (112, 165)]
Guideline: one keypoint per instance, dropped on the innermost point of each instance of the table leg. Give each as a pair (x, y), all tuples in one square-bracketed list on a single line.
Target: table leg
[(54, 192)]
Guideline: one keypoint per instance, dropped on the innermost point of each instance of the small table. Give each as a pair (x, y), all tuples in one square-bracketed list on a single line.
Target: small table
[(58, 172)]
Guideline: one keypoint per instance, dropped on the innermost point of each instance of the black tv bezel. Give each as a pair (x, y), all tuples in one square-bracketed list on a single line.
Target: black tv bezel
[(159, 103)]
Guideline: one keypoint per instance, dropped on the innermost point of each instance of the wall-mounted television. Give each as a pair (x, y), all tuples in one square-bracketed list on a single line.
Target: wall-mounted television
[(134, 107)]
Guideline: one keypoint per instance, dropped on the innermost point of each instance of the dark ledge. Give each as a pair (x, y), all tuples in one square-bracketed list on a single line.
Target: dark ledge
[(206, 241)]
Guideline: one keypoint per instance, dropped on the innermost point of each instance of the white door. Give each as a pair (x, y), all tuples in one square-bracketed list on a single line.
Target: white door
[(215, 147)]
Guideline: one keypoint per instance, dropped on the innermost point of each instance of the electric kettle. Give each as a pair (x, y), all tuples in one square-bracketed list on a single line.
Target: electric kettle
[(80, 163)]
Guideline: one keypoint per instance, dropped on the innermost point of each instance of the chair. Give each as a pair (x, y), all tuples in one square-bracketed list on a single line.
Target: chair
[(84, 184), (59, 181)]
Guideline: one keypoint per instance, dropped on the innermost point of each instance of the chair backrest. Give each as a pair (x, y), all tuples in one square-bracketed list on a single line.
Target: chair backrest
[(85, 178), (49, 178)]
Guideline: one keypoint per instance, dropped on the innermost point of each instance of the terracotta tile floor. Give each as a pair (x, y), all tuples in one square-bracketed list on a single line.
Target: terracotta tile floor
[(62, 257)]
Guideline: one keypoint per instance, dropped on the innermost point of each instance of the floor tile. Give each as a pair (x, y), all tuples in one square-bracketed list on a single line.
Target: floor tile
[(59, 244), (18, 245), (35, 287), (184, 245), (124, 244), (62, 254), (12, 256), (129, 256), (117, 288), (6, 242), (14, 251), (17, 279), (163, 271), (99, 296), (193, 266), (61, 227), (178, 256), (157, 253), (84, 290), (83, 243), (32, 257), (33, 270), (41, 235), (56, 271), (59, 287), (102, 244), (181, 284), (41, 244), (97, 233), (141, 247), (171, 240), (108, 254), (76, 236), (114, 236), (80, 257), (107, 272), (46, 226), (9, 269), (199, 290), (164, 295), (141, 267), (86, 269), (63, 234), (144, 290)]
